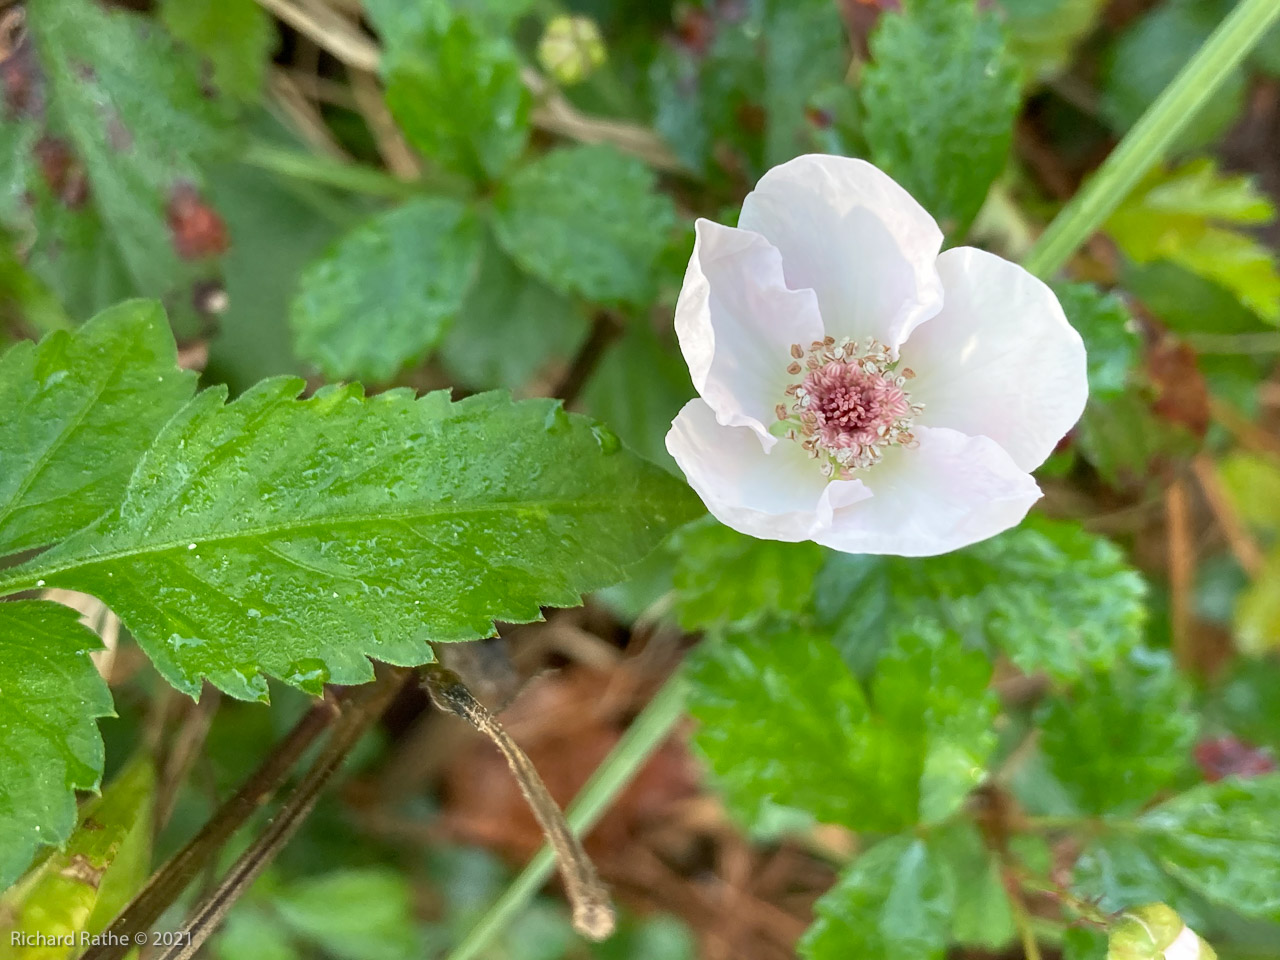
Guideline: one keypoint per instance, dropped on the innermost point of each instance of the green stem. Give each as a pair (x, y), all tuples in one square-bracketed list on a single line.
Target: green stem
[(649, 731), (314, 168), (1145, 144)]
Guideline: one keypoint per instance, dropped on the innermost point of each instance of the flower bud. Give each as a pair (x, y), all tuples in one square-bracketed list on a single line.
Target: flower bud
[(571, 49), (1155, 932)]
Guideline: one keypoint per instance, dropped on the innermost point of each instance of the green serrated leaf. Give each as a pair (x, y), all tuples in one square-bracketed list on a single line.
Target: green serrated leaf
[(80, 888), (1222, 840), (943, 133), (587, 220), (456, 92), (50, 699), (1117, 871), (932, 695), (726, 579), (297, 538), (76, 412), (235, 36), (386, 292), (784, 721), (1110, 338), (1048, 595), (511, 327), (1187, 303), (893, 901), (1120, 736), (982, 916), (1186, 216), (1216, 844), (133, 108)]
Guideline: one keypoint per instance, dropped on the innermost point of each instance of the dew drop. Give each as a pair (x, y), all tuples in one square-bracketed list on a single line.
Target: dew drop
[(606, 438), (309, 674)]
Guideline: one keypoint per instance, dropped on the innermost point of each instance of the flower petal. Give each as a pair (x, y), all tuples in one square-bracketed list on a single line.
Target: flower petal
[(779, 495), (736, 321), (1000, 360), (859, 240), (950, 491)]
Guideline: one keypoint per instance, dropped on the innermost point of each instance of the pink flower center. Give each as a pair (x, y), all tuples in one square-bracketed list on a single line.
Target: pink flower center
[(850, 405)]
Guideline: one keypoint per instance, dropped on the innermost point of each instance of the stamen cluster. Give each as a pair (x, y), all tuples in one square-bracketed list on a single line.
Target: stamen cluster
[(849, 405)]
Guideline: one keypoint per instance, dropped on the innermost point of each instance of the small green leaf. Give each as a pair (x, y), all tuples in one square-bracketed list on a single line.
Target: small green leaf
[(1043, 33), (511, 327), (587, 220), (1120, 736), (299, 537), (80, 888), (398, 21), (235, 36), (386, 292), (1047, 594), (134, 110), (1110, 338), (784, 721), (1187, 216), (76, 412), (457, 94), (942, 132), (893, 901), (50, 699), (726, 579)]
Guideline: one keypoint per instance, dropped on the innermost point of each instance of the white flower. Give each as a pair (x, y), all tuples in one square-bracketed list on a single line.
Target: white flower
[(858, 388)]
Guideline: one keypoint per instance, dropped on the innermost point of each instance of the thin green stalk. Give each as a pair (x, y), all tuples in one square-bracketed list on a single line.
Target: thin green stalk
[(638, 744), (1145, 144), (314, 168)]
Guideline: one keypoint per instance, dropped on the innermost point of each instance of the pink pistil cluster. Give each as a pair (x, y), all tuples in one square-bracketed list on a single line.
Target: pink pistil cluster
[(849, 406)]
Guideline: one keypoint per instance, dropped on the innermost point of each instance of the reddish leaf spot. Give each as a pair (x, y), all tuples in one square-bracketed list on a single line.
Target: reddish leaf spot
[(1220, 757), (695, 30), (61, 171), (818, 119), (198, 231)]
